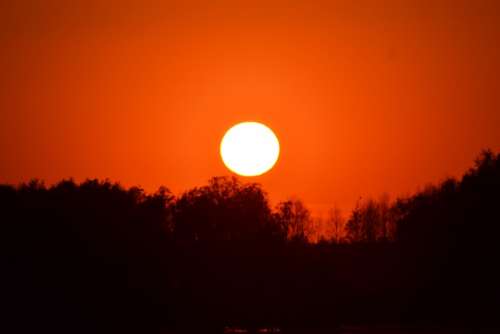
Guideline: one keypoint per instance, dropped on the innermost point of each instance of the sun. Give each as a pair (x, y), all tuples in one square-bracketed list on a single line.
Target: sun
[(249, 149)]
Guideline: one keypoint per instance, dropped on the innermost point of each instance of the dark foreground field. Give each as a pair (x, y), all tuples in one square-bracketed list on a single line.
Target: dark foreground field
[(113, 260), (386, 329), (409, 330)]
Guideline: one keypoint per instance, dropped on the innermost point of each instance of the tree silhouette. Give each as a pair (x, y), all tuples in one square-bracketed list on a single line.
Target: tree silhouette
[(372, 220), (295, 219), (96, 257), (336, 225), (224, 210), (450, 232)]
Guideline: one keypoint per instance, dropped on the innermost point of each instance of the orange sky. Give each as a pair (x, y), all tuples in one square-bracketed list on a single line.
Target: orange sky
[(366, 98)]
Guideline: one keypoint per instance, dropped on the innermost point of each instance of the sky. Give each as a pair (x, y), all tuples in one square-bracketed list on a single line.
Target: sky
[(367, 97)]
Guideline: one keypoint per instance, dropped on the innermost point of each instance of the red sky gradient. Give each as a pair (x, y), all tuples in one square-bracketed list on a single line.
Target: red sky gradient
[(366, 98)]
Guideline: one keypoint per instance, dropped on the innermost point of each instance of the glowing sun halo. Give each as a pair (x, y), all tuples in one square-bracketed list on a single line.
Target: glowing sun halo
[(249, 149)]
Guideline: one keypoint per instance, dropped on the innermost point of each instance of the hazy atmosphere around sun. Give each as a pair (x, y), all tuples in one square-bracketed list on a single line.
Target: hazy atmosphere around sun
[(365, 100)]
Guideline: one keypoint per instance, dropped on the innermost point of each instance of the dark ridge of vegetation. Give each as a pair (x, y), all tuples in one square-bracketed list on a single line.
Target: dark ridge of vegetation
[(95, 257)]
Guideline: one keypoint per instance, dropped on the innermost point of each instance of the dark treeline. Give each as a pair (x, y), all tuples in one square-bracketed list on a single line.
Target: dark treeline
[(94, 257)]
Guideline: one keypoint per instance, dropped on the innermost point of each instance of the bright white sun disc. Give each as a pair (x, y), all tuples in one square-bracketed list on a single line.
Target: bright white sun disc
[(249, 149)]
